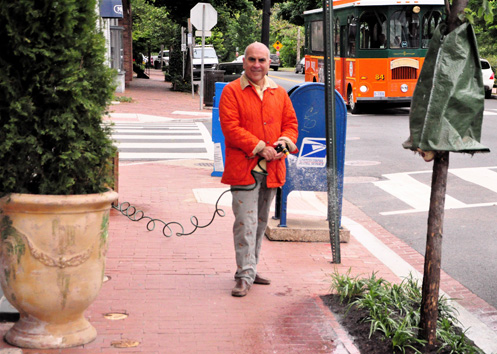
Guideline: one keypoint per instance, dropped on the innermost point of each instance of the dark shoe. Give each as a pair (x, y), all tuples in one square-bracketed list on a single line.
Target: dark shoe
[(241, 288), (260, 280)]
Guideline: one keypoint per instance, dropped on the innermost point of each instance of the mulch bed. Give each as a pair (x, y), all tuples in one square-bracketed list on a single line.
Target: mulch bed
[(358, 330)]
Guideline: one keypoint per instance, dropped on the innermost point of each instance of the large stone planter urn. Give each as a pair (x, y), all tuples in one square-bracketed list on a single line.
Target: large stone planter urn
[(52, 265)]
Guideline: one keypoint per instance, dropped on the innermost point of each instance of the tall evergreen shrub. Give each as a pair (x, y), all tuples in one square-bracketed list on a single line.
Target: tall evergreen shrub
[(54, 90)]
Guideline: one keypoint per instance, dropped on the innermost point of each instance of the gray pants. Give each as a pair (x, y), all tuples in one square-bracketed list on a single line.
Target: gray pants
[(251, 209)]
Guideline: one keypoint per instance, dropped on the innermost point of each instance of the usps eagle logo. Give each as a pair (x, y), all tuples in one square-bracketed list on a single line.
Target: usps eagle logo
[(312, 153)]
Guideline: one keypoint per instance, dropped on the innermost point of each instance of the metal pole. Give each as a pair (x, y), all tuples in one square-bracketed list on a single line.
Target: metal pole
[(190, 46), (201, 88), (331, 149), (266, 13)]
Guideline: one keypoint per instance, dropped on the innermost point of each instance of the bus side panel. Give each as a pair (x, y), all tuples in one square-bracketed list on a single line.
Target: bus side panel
[(339, 77), (349, 72)]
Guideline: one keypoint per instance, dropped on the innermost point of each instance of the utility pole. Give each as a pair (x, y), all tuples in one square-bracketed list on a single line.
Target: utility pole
[(298, 45), (266, 14)]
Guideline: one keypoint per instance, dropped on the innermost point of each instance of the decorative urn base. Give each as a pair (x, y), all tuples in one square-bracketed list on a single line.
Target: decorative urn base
[(52, 264)]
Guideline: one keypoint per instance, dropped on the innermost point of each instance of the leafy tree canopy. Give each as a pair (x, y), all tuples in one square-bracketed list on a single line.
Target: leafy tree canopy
[(293, 10)]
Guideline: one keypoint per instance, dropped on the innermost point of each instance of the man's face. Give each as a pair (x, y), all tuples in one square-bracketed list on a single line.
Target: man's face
[(256, 63)]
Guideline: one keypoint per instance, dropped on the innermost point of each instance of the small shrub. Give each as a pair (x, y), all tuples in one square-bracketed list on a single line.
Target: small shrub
[(394, 311)]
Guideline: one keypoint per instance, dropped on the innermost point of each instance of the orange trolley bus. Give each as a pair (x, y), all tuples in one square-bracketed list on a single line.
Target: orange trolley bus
[(379, 48)]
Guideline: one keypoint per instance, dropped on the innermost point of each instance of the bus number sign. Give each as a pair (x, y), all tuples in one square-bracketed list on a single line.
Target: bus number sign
[(380, 77)]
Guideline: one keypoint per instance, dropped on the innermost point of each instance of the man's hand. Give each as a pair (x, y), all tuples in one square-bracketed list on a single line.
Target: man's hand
[(268, 153)]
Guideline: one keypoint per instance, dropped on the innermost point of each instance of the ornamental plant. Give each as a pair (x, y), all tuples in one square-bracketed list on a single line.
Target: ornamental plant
[(54, 90)]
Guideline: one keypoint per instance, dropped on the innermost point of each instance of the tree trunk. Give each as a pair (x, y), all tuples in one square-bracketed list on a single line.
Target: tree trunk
[(433, 255)]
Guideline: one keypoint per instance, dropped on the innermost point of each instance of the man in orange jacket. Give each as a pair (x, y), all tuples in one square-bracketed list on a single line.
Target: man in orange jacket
[(256, 116)]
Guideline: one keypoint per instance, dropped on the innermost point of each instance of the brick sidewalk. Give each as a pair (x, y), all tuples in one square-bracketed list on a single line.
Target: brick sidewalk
[(175, 292)]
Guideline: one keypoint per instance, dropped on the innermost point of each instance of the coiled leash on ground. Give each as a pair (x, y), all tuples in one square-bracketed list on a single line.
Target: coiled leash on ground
[(134, 214)]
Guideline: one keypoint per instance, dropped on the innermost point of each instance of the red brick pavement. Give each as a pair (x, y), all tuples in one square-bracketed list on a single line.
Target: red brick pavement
[(175, 291)]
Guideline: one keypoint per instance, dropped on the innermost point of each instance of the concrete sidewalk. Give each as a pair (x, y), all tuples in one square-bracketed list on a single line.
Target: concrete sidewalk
[(173, 294)]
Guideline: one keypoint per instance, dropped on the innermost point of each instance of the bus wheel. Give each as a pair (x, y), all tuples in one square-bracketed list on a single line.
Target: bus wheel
[(354, 106)]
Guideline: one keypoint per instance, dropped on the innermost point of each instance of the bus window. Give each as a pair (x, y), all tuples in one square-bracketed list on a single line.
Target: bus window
[(372, 30), (351, 35), (430, 22), (404, 29), (337, 37), (317, 41)]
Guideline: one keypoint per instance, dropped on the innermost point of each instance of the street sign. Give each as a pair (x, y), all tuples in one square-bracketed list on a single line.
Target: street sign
[(206, 33), (277, 45), (200, 11)]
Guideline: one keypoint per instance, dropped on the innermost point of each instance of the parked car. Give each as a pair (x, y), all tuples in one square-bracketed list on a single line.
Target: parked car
[(232, 71), (488, 77), (210, 59), (300, 67), (275, 62), (164, 57)]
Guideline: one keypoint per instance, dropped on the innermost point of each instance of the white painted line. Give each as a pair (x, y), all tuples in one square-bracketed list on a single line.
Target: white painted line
[(413, 192), (193, 113), (482, 176), (159, 146), (209, 144), (157, 131), (140, 117), (411, 211), (158, 156), (156, 137)]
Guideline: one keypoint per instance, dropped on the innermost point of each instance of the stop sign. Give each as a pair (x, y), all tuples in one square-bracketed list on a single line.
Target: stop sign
[(197, 13)]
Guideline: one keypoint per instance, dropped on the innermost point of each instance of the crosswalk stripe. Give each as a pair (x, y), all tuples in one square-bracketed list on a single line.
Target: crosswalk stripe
[(417, 194), (163, 141), (482, 176)]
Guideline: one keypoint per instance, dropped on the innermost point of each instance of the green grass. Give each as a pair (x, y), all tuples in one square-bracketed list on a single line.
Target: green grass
[(122, 99)]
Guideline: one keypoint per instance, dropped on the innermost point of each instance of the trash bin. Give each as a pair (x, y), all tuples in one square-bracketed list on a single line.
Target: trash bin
[(210, 78)]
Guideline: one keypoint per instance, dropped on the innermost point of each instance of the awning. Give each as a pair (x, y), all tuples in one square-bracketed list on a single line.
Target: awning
[(111, 8)]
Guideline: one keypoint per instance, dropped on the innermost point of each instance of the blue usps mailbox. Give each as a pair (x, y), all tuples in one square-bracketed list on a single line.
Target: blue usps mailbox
[(306, 171)]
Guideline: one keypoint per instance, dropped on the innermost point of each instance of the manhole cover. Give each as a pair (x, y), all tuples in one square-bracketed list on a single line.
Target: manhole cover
[(359, 179), (114, 316), (125, 343), (362, 163)]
